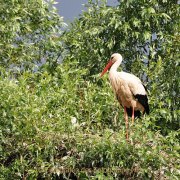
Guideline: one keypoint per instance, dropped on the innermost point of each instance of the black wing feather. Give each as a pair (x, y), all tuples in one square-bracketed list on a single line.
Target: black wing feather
[(143, 100), (129, 110), (136, 113)]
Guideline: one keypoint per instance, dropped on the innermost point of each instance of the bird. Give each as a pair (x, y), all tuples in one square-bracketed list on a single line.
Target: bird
[(129, 90)]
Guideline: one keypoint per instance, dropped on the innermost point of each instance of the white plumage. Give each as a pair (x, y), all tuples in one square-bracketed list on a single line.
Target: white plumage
[(129, 90)]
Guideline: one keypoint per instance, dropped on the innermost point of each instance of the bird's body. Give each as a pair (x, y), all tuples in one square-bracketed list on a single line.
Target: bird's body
[(128, 89)]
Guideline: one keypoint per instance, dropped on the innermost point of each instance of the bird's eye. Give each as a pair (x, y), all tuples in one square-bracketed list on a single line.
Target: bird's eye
[(112, 58)]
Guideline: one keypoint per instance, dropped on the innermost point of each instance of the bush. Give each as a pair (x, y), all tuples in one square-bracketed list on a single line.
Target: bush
[(64, 126)]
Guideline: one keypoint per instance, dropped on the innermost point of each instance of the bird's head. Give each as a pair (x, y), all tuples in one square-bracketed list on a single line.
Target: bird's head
[(114, 58)]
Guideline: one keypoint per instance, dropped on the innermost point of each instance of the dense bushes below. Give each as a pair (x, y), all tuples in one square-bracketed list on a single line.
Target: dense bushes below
[(62, 126)]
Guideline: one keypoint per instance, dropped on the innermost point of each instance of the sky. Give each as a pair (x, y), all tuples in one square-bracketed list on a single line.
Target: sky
[(70, 9)]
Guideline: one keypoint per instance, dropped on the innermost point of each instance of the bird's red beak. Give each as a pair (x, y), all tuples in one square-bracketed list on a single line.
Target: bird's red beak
[(106, 68)]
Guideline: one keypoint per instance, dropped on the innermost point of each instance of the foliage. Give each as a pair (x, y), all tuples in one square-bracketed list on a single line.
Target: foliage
[(146, 33), (29, 33), (133, 28), (61, 121), (49, 132)]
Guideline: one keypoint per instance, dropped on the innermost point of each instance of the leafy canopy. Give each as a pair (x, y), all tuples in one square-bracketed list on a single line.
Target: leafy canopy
[(29, 33), (146, 33), (61, 121)]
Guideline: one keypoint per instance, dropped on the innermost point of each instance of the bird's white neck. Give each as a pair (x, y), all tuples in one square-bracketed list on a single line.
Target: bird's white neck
[(113, 75), (115, 66)]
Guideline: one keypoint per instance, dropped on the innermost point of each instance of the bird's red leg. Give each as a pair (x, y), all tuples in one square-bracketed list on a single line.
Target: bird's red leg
[(126, 119), (132, 114)]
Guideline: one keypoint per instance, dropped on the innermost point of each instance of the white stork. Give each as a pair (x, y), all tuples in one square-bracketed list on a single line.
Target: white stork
[(129, 90)]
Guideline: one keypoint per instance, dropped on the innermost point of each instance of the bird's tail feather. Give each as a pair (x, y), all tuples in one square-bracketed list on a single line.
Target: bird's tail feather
[(143, 100)]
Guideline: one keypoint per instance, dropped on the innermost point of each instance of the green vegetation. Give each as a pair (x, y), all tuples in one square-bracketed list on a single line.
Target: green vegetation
[(61, 120)]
